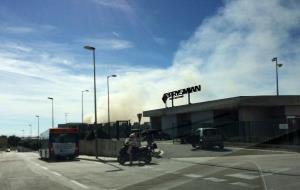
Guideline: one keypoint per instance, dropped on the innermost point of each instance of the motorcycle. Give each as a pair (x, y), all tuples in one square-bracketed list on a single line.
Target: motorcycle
[(138, 154), (155, 151)]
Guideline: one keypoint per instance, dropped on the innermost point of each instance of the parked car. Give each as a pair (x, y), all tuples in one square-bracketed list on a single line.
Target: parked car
[(207, 138), (8, 150)]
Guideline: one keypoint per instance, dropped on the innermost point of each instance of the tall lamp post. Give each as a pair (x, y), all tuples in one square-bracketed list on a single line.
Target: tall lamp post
[(90, 48), (38, 122), (82, 104), (66, 117), (30, 126), (52, 111), (277, 65), (108, 113)]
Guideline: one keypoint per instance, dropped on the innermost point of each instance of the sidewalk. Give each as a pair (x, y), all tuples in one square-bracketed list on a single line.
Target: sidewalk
[(100, 158)]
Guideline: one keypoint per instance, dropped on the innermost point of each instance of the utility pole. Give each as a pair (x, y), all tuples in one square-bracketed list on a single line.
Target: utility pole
[(52, 111), (277, 65), (93, 49), (38, 122)]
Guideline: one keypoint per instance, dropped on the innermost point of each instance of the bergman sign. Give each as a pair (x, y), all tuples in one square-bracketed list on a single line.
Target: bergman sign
[(180, 93)]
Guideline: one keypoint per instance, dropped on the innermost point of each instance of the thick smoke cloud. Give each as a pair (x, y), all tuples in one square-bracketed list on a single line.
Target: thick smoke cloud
[(229, 54)]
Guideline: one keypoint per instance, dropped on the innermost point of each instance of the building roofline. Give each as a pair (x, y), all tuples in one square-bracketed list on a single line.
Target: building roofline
[(228, 103)]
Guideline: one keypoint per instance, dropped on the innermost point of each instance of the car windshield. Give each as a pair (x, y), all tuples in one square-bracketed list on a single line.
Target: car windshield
[(149, 94), (210, 132)]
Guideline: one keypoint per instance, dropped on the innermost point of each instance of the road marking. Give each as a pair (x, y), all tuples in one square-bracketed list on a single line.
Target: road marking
[(266, 150), (79, 184), (55, 173), (248, 176), (196, 160), (98, 163), (45, 168), (172, 172), (241, 184), (193, 175), (214, 179), (277, 170)]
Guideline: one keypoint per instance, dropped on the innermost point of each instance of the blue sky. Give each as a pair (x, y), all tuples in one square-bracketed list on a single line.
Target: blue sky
[(152, 29), (153, 47), (50, 34)]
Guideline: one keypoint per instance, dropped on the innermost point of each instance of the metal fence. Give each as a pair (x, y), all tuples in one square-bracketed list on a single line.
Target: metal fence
[(116, 130), (249, 132)]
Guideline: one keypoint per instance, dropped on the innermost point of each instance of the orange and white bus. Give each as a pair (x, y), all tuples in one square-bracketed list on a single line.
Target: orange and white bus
[(59, 143)]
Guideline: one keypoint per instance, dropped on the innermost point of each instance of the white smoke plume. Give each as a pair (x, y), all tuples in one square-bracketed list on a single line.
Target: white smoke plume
[(229, 54)]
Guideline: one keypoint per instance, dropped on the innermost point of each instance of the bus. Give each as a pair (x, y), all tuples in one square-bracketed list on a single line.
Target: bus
[(59, 143)]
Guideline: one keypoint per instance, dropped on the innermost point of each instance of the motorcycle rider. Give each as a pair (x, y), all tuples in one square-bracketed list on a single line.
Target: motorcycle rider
[(134, 143)]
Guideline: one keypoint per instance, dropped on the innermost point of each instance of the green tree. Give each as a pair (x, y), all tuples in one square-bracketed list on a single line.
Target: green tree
[(13, 141)]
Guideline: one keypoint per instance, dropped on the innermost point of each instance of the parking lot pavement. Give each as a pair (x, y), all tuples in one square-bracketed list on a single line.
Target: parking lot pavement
[(274, 169), (177, 150), (206, 177), (269, 171)]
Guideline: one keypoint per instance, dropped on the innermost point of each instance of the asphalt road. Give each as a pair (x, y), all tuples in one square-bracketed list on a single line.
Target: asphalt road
[(177, 150), (192, 169)]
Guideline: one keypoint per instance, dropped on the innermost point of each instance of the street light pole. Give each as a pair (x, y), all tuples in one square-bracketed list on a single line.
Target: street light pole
[(38, 120), (82, 104), (30, 130), (95, 96), (66, 117), (108, 113), (277, 65), (108, 105), (52, 111)]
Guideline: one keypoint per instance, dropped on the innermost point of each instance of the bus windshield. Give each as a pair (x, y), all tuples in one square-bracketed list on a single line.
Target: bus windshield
[(63, 138)]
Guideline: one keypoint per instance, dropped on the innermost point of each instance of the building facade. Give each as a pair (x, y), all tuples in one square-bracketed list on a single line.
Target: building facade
[(243, 118)]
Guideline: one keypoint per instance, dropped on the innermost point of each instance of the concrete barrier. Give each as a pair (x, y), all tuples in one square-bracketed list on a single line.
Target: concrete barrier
[(106, 147)]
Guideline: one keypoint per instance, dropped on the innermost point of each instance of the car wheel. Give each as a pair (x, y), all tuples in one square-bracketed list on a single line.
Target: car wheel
[(221, 147)]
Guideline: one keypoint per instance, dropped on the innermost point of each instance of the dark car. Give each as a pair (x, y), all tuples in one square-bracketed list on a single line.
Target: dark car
[(207, 138)]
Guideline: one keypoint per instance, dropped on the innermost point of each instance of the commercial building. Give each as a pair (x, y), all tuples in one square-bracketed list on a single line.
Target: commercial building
[(243, 118)]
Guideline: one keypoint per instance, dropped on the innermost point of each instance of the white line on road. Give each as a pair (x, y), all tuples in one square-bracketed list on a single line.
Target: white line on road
[(278, 170), (99, 163), (79, 184), (193, 175), (248, 176), (45, 168), (241, 184), (55, 173), (214, 179)]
